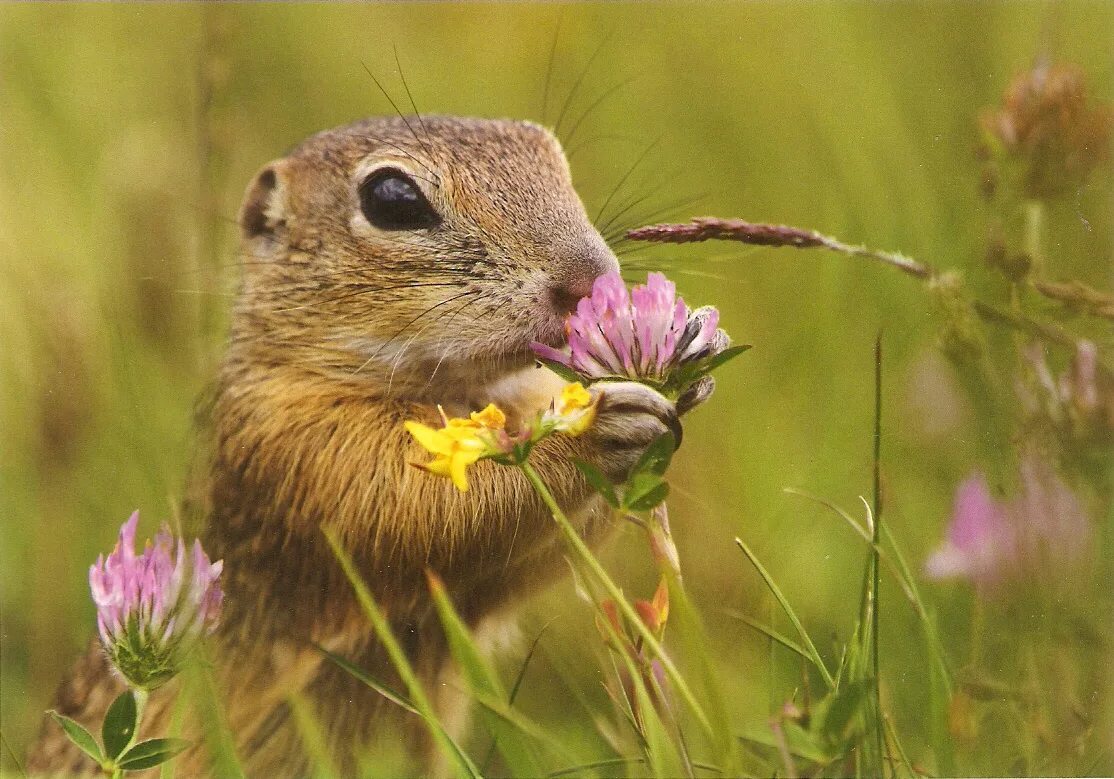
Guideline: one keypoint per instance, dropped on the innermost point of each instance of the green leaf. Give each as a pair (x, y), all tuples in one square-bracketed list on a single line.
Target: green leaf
[(657, 456), (119, 724), (562, 370), (79, 735), (638, 486), (148, 754), (841, 722), (650, 498), (599, 482), (717, 360)]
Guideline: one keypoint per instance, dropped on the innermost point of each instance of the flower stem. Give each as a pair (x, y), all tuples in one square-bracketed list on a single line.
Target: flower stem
[(587, 560)]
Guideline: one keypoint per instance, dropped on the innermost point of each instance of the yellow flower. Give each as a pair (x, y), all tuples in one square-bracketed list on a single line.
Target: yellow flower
[(574, 411), (454, 447), (491, 417), (459, 443), (573, 398)]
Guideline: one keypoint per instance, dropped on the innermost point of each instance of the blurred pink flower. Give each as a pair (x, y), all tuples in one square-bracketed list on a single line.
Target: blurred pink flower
[(643, 335), (151, 607), (981, 545), (997, 543)]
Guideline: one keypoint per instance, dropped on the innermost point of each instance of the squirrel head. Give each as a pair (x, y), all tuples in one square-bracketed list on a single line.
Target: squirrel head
[(414, 249)]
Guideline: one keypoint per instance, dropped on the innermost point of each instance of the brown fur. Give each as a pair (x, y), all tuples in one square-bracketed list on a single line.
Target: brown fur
[(340, 333)]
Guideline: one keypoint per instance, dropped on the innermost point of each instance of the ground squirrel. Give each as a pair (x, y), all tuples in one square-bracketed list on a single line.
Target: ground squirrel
[(388, 266)]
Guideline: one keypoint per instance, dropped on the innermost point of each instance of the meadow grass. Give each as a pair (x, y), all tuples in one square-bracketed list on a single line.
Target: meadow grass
[(129, 133)]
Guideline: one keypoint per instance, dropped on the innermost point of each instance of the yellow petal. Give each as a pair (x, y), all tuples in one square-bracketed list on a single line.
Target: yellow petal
[(573, 398), (581, 421), (458, 467), (433, 440), (438, 467), (492, 417), (458, 423)]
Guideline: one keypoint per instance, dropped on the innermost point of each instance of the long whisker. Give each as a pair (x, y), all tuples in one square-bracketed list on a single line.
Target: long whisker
[(364, 292), (401, 116), (627, 175), (408, 325), (445, 352), (579, 81), (596, 104), (409, 95), (549, 67)]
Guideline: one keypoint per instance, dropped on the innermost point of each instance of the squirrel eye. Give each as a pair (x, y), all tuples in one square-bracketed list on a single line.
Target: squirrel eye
[(391, 200)]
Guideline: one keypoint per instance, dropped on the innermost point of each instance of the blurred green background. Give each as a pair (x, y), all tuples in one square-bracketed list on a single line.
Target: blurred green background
[(128, 133)]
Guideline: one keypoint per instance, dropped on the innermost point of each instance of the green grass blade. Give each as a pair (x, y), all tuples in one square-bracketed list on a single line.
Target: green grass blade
[(936, 647), (688, 631), (799, 747), (312, 736), (875, 565), (210, 712), (792, 615), (501, 709), (582, 554), (364, 677), (484, 683), (515, 687), (891, 731), (771, 634), (464, 765), (662, 754), (863, 533)]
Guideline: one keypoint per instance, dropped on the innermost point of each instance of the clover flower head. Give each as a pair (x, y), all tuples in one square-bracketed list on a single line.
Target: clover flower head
[(998, 543), (981, 544), (152, 606), (1079, 402), (1049, 130), (645, 334)]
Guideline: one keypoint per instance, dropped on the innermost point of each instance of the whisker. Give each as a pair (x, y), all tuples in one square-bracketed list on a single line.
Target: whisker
[(410, 96), (579, 81), (401, 116), (445, 353), (627, 175), (619, 233), (549, 67), (597, 102), (408, 325), (364, 292)]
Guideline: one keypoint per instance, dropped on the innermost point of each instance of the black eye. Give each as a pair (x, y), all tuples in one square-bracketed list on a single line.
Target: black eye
[(391, 200)]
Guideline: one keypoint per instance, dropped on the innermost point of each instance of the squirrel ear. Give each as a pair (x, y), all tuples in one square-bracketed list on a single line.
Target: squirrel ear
[(262, 214)]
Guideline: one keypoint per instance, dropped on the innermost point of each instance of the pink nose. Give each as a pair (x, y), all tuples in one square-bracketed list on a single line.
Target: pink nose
[(566, 296)]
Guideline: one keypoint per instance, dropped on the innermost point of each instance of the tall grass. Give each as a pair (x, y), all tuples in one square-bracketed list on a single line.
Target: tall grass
[(129, 132)]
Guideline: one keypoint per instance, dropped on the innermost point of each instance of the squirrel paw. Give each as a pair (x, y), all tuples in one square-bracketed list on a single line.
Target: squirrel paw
[(629, 417)]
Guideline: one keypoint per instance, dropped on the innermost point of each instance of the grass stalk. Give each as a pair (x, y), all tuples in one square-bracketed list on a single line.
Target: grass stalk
[(382, 628), (588, 560), (876, 530), (309, 729), (810, 647)]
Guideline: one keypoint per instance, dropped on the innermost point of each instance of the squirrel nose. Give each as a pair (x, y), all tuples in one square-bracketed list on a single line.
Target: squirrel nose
[(566, 295), (574, 281)]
